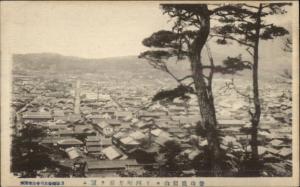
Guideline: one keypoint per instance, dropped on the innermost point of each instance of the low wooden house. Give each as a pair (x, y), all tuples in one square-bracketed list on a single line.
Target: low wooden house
[(69, 142), (104, 166)]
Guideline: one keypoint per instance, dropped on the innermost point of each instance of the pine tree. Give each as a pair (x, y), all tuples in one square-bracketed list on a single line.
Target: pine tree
[(187, 40), (242, 23), (247, 25), (28, 156)]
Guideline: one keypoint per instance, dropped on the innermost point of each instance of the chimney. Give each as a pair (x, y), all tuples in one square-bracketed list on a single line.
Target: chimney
[(77, 97)]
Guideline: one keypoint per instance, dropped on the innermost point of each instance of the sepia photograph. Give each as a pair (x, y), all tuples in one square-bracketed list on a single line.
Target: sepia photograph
[(197, 93)]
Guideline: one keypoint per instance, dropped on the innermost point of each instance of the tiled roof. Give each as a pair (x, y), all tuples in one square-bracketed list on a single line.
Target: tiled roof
[(92, 144), (111, 153), (103, 124), (137, 135), (37, 115), (156, 132), (285, 152), (70, 141), (106, 141), (162, 140), (110, 164), (73, 153), (93, 149), (129, 141), (119, 135), (92, 138), (113, 122)]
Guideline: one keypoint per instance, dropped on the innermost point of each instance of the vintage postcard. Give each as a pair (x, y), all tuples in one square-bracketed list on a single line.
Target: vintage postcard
[(149, 93)]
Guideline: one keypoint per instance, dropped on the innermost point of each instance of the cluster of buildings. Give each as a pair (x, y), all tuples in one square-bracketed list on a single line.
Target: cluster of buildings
[(274, 131), (107, 129)]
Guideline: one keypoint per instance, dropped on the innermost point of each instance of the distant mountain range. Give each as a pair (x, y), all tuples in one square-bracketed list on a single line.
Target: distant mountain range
[(53, 62), (57, 62)]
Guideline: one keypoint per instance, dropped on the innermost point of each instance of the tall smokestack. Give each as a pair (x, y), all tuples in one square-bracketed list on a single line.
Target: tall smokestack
[(77, 97)]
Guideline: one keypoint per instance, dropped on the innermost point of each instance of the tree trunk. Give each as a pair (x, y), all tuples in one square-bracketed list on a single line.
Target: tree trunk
[(204, 94), (257, 108)]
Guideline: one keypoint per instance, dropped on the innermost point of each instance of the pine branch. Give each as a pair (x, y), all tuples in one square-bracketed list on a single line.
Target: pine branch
[(251, 113), (191, 83), (186, 77), (268, 25), (288, 45), (286, 74), (234, 39), (272, 5), (232, 8), (249, 6), (172, 75), (248, 50)]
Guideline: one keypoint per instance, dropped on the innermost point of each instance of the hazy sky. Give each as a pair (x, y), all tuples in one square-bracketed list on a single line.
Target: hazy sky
[(86, 29)]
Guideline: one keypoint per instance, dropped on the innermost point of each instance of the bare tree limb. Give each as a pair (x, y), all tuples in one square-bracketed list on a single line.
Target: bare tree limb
[(187, 41), (248, 50), (232, 86), (162, 66)]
